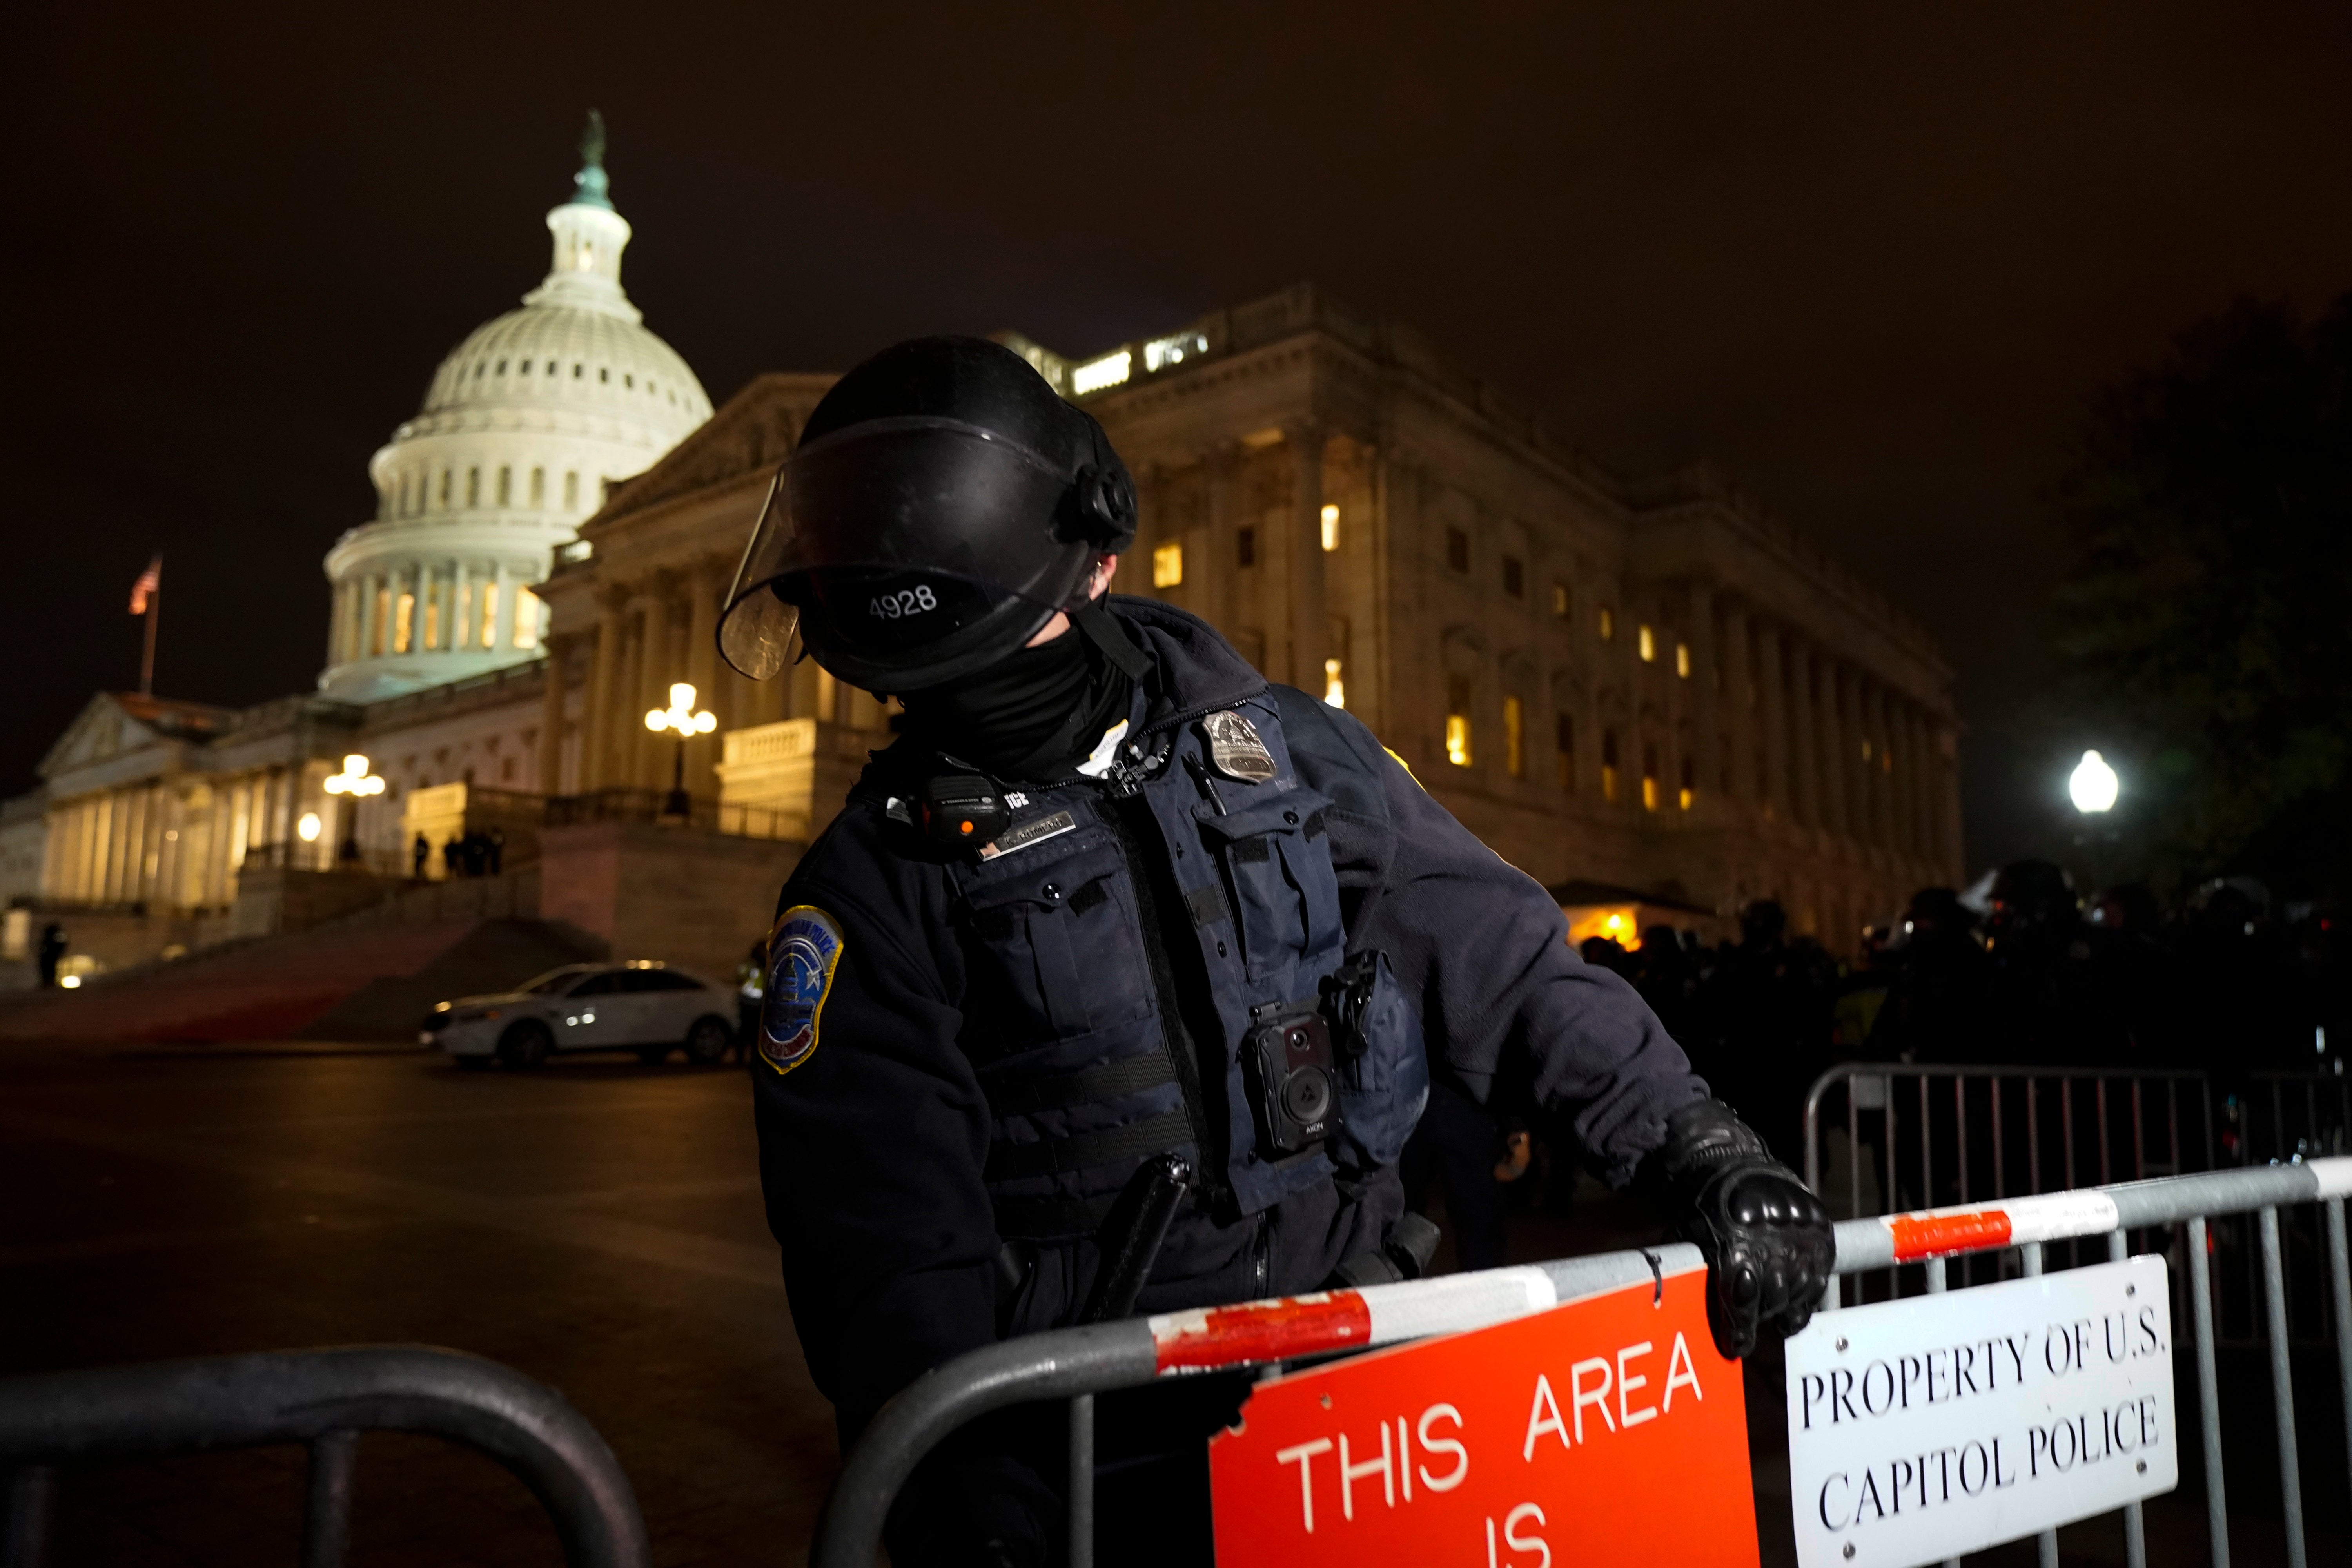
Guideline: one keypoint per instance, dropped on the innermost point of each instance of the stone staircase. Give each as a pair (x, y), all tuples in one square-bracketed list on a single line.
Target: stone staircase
[(355, 979)]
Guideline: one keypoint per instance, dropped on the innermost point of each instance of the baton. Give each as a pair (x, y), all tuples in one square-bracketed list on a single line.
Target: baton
[(1131, 1234)]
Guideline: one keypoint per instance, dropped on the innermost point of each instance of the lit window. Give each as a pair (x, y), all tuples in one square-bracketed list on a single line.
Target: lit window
[(1649, 778), (525, 617), (1330, 528), (489, 617), (539, 487), (463, 617), (1245, 547), (1563, 737), (1457, 550), (1514, 577), (505, 485), (1646, 644), (1608, 625), (1111, 369), (1335, 683), (1559, 600), (1167, 565), (432, 622), (572, 490), (1609, 767), (1457, 720), (401, 618), (1514, 736), (383, 629), (1682, 660), (1161, 352), (1690, 785)]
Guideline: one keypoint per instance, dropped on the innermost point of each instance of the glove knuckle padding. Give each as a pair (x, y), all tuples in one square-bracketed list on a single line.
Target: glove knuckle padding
[(1768, 1242)]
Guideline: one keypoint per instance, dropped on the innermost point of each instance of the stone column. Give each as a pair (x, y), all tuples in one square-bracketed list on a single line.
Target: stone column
[(656, 669), (1911, 762), (1737, 679), (501, 619), (1773, 722), (1837, 754), (702, 665), (1309, 615), (462, 610), (1706, 701), (603, 697), (1873, 712), (369, 586), (1221, 600), (1804, 775), (550, 716)]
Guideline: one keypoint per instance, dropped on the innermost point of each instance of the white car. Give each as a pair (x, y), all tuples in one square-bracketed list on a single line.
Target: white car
[(642, 1006)]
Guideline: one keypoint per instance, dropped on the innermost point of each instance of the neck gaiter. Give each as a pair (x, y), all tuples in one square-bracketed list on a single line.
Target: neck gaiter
[(1030, 715)]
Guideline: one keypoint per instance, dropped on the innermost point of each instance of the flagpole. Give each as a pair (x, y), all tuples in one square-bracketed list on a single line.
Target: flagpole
[(147, 659)]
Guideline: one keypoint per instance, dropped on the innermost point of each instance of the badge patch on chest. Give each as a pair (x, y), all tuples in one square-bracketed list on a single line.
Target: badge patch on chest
[(802, 956), (1234, 748), (1037, 830)]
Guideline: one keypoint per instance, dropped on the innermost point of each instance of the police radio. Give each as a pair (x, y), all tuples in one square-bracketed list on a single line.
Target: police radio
[(961, 811)]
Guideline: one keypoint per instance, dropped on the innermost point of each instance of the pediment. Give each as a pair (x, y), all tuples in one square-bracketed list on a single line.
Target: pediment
[(115, 723), (754, 429)]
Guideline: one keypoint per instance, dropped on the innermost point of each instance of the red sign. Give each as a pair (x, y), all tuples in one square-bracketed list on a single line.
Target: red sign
[(1603, 1430)]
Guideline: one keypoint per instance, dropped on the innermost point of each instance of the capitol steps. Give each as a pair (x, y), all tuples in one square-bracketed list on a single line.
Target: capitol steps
[(362, 983)]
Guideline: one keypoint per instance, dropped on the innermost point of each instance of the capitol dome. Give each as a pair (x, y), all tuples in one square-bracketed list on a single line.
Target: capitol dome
[(524, 427)]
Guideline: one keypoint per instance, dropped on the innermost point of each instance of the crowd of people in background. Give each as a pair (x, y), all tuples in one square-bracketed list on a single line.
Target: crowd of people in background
[(2021, 971), (474, 855)]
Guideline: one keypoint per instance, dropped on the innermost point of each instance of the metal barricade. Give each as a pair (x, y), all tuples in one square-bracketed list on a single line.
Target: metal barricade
[(324, 1398), (1893, 1137), (1078, 1365)]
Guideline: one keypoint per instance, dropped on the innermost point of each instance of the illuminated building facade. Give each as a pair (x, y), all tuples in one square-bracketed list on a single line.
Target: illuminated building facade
[(1656, 687)]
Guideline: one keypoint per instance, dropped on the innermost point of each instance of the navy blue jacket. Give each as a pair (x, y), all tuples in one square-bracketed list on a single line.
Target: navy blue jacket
[(876, 1146)]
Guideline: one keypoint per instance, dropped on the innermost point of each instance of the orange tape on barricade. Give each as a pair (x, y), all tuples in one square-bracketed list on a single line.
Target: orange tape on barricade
[(1938, 1235), (2050, 1217), (1262, 1331)]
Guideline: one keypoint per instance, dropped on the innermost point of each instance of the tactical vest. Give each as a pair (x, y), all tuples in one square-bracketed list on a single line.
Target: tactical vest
[(1077, 924)]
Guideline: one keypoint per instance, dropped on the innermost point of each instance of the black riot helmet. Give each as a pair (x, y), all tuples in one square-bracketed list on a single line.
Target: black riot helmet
[(943, 503)]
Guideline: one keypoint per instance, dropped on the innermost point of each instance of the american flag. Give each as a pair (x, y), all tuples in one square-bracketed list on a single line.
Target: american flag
[(151, 582)]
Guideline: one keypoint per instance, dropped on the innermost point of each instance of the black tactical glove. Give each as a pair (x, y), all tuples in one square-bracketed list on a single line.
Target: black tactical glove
[(1769, 1248)]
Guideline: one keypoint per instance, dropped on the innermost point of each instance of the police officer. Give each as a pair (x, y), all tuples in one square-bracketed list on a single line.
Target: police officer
[(1112, 897)]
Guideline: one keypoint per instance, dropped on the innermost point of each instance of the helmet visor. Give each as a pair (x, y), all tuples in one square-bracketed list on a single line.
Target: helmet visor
[(947, 517)]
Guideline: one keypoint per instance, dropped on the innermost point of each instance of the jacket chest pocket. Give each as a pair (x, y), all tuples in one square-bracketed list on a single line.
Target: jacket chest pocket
[(1061, 949), (1278, 876), (1384, 1087)]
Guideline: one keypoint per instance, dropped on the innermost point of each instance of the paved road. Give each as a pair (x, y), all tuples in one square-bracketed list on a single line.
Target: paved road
[(596, 1226)]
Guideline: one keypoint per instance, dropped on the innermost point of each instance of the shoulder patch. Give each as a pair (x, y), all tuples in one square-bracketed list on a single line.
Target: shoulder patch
[(803, 952)]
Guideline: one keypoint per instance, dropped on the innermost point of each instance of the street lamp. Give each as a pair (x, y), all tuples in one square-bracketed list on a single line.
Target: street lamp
[(358, 782), (2093, 785), (682, 717)]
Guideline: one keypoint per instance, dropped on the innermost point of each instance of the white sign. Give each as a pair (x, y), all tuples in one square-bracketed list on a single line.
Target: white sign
[(1924, 1429)]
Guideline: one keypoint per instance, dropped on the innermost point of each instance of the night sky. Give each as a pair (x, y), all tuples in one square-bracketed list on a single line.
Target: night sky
[(1872, 265)]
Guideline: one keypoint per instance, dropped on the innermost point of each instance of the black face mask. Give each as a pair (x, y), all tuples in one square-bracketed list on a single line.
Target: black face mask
[(1031, 714)]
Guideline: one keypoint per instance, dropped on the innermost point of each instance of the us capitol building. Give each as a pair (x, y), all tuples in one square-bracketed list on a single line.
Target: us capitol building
[(1655, 698)]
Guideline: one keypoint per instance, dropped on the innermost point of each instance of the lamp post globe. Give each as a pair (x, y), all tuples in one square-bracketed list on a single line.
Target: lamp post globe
[(2093, 786), (684, 720)]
